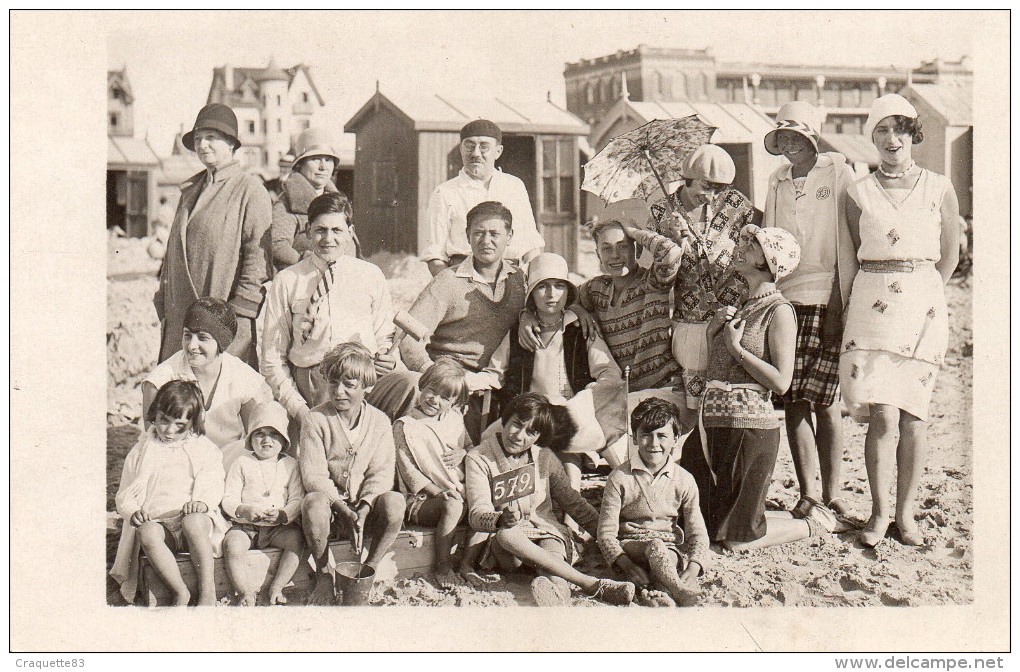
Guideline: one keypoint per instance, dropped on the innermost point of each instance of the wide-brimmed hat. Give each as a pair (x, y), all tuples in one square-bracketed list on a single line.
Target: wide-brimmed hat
[(889, 105), (550, 266), (782, 251), (314, 142), (710, 163), (799, 117), (217, 117)]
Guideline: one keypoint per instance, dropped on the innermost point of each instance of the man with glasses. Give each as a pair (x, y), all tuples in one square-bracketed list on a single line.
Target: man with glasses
[(706, 205), (443, 242)]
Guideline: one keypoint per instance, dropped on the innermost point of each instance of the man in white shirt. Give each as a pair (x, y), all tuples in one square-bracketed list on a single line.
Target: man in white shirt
[(444, 241)]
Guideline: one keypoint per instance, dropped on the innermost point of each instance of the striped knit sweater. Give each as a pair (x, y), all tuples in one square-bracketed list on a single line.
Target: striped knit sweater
[(636, 324)]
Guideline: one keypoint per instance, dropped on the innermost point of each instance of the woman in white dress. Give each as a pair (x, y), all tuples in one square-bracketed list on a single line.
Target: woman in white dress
[(903, 222)]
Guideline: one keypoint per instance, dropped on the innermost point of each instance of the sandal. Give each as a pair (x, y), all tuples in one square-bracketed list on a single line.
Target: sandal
[(819, 517)]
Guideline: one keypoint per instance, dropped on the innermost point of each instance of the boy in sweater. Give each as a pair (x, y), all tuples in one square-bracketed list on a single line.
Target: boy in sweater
[(263, 495), (347, 460), (650, 509)]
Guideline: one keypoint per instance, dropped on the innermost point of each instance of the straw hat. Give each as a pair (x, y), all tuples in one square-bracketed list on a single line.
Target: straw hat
[(782, 251), (889, 105), (710, 163), (799, 117), (314, 142)]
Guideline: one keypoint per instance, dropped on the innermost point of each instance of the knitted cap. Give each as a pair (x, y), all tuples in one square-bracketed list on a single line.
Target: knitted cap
[(214, 317), (889, 105), (782, 251), (710, 163), (482, 127), (217, 117), (799, 117)]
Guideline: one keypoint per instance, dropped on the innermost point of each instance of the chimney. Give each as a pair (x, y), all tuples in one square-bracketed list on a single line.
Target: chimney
[(228, 76)]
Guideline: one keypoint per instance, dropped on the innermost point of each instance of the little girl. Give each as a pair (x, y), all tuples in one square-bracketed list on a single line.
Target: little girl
[(526, 528), (431, 444), (169, 496), (263, 496)]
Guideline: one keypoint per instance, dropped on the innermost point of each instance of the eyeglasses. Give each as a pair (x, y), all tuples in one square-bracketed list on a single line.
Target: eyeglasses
[(714, 187), (484, 147)]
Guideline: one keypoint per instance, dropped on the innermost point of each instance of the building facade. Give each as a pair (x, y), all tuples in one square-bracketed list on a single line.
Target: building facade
[(273, 105), (695, 75), (131, 164)]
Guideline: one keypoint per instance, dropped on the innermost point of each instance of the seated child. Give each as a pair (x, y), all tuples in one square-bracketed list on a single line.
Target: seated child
[(347, 464), (263, 495), (650, 508), (431, 444), (526, 530), (169, 496)]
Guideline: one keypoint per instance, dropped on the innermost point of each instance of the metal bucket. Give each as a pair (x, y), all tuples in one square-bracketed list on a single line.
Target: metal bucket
[(355, 580)]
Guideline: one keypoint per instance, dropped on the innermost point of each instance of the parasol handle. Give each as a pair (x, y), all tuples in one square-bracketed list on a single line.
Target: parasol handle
[(669, 202)]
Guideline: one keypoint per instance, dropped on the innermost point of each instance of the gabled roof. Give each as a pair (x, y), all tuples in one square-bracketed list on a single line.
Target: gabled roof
[(256, 75), (119, 79), (736, 122), (122, 150), (446, 113), (954, 100)]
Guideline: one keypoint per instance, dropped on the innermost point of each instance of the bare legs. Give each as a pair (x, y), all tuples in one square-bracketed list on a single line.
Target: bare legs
[(196, 528), (816, 447), (780, 528), (235, 545), (443, 514), (910, 450)]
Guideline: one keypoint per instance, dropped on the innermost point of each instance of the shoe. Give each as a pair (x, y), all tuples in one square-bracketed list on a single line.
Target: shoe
[(545, 593), (839, 506), (909, 533), (562, 587), (802, 507), (821, 515), (613, 592), (871, 535)]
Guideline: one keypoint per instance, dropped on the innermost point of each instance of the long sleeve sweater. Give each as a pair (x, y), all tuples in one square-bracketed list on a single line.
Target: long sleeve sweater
[(551, 485), (352, 465), (635, 503), (249, 479)]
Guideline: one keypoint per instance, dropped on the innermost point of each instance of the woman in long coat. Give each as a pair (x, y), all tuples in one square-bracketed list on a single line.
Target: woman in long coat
[(215, 247)]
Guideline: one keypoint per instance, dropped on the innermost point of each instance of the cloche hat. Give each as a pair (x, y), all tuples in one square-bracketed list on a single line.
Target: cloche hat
[(889, 105), (217, 117), (710, 163), (799, 117), (314, 142)]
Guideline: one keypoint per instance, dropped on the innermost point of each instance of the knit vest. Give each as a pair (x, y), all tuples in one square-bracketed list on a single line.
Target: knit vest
[(742, 408), (474, 325), (517, 378)]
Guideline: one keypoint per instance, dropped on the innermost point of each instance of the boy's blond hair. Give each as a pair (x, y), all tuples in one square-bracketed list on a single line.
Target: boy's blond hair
[(349, 360)]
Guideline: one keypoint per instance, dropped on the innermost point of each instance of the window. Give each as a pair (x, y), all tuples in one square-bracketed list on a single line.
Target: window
[(263, 127), (304, 96), (784, 92), (113, 120), (558, 175), (830, 95), (279, 125), (251, 127), (278, 101), (305, 123)]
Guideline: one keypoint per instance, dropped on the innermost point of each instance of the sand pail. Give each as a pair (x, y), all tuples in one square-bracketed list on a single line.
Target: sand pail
[(355, 580)]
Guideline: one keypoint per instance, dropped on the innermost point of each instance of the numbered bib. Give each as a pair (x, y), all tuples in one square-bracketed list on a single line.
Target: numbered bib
[(513, 484)]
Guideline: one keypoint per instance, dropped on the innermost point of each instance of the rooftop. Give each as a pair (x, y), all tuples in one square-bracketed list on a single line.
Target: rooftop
[(954, 100)]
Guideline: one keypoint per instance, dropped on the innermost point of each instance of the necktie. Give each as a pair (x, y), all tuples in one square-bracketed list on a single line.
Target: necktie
[(317, 316)]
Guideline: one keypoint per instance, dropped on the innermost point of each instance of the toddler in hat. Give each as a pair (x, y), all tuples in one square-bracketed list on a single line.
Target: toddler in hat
[(807, 197), (262, 495)]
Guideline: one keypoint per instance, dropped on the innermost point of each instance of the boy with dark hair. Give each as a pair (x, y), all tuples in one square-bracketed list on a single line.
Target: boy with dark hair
[(650, 515)]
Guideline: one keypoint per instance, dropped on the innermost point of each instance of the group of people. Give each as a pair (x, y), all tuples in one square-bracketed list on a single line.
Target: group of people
[(309, 416)]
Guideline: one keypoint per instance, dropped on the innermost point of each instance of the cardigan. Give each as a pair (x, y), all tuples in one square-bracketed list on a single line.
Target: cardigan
[(215, 248)]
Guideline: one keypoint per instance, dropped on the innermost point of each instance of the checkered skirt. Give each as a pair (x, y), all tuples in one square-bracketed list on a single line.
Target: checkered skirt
[(816, 368)]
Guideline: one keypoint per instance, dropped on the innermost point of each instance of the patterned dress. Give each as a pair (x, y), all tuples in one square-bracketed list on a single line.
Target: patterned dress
[(897, 323)]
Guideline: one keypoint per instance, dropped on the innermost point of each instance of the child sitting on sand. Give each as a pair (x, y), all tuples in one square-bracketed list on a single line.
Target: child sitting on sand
[(347, 464), (431, 444), (650, 508), (169, 496), (526, 529), (263, 496)]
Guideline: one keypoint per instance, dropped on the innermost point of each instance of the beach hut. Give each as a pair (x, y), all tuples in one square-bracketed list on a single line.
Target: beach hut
[(408, 145)]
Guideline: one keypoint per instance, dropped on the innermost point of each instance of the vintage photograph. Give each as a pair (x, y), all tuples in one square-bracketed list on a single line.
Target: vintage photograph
[(509, 331), (662, 323)]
